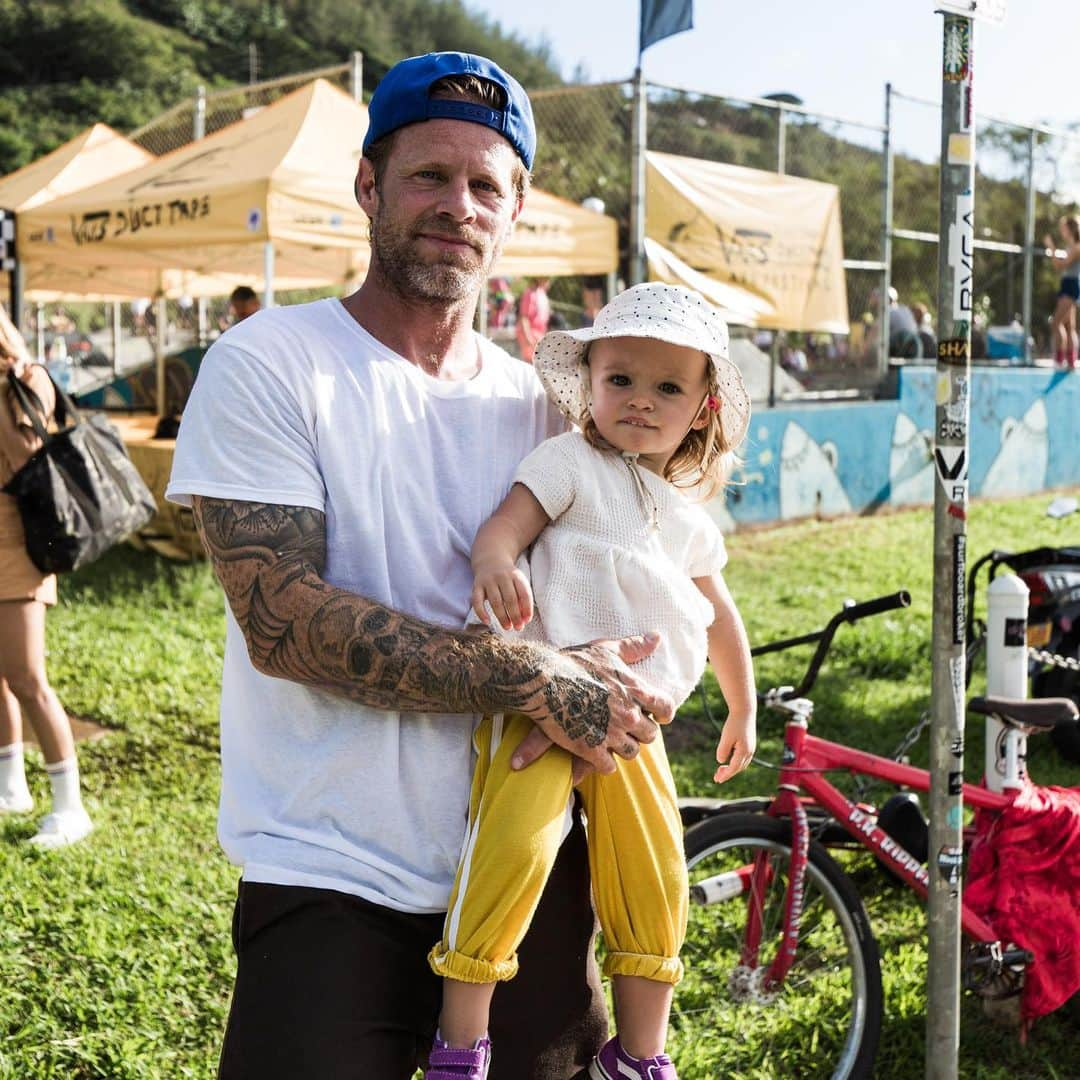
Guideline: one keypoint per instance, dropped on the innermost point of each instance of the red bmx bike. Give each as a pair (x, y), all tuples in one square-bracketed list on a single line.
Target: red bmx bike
[(779, 922)]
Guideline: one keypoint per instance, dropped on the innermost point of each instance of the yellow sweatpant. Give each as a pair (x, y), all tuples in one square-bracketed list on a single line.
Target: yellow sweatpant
[(516, 824)]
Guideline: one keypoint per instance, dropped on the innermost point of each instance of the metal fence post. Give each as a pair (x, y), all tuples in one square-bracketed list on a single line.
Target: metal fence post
[(198, 116), (1029, 245), (781, 140), (948, 683), (198, 131), (637, 181), (356, 76), (882, 314), (116, 336)]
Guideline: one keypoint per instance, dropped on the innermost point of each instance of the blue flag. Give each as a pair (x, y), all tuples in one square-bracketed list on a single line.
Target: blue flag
[(662, 18)]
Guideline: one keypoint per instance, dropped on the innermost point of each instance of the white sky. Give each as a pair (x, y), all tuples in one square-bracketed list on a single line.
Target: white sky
[(836, 55)]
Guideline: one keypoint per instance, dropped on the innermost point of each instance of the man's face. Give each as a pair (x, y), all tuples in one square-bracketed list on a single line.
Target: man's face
[(442, 208)]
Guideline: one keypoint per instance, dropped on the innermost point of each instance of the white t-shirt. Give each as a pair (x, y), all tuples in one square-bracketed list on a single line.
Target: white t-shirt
[(600, 571), (300, 406)]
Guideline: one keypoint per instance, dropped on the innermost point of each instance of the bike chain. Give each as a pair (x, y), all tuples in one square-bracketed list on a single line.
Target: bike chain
[(1069, 663)]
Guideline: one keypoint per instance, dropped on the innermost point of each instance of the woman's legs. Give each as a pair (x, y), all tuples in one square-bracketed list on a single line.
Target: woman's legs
[(14, 794), (1059, 333), (22, 667), (10, 716), (1070, 333)]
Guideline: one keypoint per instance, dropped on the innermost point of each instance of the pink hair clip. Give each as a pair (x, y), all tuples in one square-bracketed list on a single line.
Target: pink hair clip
[(712, 403)]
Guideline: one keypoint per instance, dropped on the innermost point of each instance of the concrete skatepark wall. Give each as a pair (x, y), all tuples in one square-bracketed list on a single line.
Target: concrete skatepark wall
[(829, 459)]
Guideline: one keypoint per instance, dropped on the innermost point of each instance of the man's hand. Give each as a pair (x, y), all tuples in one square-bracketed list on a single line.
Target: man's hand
[(595, 706)]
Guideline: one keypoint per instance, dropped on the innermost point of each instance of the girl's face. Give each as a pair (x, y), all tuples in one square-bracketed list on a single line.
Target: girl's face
[(646, 395)]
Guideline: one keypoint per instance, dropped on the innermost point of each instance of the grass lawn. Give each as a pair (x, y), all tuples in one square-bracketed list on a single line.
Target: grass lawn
[(115, 958)]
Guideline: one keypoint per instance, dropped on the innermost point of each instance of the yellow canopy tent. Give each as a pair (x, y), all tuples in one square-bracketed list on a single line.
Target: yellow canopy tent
[(268, 196), (93, 155), (97, 154), (774, 239)]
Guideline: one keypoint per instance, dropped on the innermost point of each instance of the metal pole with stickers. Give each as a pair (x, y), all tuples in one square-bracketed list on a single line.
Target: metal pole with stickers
[(951, 460)]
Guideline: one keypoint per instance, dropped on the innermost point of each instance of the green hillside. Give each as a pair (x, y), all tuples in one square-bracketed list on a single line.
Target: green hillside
[(65, 64)]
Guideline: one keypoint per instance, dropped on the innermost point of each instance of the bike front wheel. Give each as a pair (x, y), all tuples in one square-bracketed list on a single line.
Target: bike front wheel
[(825, 1017)]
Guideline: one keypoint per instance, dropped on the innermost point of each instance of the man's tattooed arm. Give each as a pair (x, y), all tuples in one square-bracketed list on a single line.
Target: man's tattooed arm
[(270, 559)]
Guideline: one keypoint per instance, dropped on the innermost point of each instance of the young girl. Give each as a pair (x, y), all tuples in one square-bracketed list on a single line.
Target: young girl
[(1063, 321), (616, 549)]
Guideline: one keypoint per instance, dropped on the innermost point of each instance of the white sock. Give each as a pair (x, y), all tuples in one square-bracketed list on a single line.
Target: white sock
[(12, 770), (64, 779)]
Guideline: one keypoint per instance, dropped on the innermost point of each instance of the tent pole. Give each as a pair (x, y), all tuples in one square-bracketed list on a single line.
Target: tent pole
[(637, 181), (356, 77), (40, 319), (115, 337), (482, 311), (268, 274), (159, 353)]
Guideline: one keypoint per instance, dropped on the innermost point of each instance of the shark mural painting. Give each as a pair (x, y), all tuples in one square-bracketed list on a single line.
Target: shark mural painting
[(1020, 464), (911, 463), (808, 481)]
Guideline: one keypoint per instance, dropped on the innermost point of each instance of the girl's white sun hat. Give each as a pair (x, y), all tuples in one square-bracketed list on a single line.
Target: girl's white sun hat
[(668, 313)]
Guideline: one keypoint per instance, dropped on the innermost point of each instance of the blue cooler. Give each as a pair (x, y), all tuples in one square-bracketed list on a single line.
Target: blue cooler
[(1005, 343)]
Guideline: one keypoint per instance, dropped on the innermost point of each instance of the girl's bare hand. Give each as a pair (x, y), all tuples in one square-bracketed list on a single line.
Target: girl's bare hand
[(736, 747), (507, 591)]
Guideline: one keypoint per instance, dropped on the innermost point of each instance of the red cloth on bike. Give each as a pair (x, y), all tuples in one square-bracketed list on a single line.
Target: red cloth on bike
[(1024, 880)]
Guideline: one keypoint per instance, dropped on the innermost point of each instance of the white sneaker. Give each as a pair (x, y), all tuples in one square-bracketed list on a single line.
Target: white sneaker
[(61, 828), (16, 802)]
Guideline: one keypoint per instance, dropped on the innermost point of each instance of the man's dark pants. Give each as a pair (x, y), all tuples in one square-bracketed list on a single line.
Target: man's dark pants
[(331, 987)]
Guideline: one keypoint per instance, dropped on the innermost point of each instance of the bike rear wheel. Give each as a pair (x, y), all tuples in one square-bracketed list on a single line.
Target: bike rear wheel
[(829, 1007)]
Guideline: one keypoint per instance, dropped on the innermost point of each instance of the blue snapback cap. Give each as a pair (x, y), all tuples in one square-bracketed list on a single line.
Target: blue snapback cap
[(402, 98)]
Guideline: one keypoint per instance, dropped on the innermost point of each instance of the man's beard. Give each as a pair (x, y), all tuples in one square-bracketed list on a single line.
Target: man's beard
[(394, 246)]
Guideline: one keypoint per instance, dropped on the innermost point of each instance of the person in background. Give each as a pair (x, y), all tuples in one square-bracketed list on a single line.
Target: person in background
[(243, 302), (25, 594), (1063, 336), (533, 316), (925, 324), (899, 324), (500, 302), (340, 457)]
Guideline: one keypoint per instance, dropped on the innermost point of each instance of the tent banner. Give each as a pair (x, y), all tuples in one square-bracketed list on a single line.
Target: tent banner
[(775, 238)]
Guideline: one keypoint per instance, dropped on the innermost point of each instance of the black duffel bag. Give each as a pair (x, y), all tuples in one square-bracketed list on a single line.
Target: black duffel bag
[(79, 493)]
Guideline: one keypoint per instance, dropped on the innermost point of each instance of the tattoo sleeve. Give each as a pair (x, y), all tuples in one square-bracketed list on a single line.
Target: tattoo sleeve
[(270, 559)]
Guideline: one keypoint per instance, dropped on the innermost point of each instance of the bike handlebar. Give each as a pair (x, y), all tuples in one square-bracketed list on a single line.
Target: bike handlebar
[(849, 613)]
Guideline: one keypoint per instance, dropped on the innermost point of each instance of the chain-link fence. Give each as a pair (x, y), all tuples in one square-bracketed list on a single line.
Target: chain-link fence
[(209, 112), (1026, 180), (887, 177)]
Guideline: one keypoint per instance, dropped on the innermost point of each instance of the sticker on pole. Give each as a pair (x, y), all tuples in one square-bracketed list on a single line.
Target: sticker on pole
[(983, 10)]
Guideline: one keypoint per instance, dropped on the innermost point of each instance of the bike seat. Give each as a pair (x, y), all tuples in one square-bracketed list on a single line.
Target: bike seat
[(1040, 714)]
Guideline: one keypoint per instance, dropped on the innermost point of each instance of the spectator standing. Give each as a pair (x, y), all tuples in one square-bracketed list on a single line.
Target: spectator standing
[(25, 594), (533, 316), (1063, 334), (925, 325), (243, 303), (340, 457)]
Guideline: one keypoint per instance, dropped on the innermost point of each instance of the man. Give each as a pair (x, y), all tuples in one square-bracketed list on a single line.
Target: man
[(340, 457), (243, 302)]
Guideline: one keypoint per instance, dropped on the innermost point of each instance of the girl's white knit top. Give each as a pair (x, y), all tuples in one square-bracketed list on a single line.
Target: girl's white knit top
[(619, 557)]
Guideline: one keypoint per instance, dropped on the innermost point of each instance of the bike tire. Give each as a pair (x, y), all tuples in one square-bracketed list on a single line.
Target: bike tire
[(1060, 682), (832, 998)]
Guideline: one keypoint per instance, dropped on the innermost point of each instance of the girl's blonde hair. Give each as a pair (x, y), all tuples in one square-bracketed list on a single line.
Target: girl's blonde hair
[(704, 460)]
